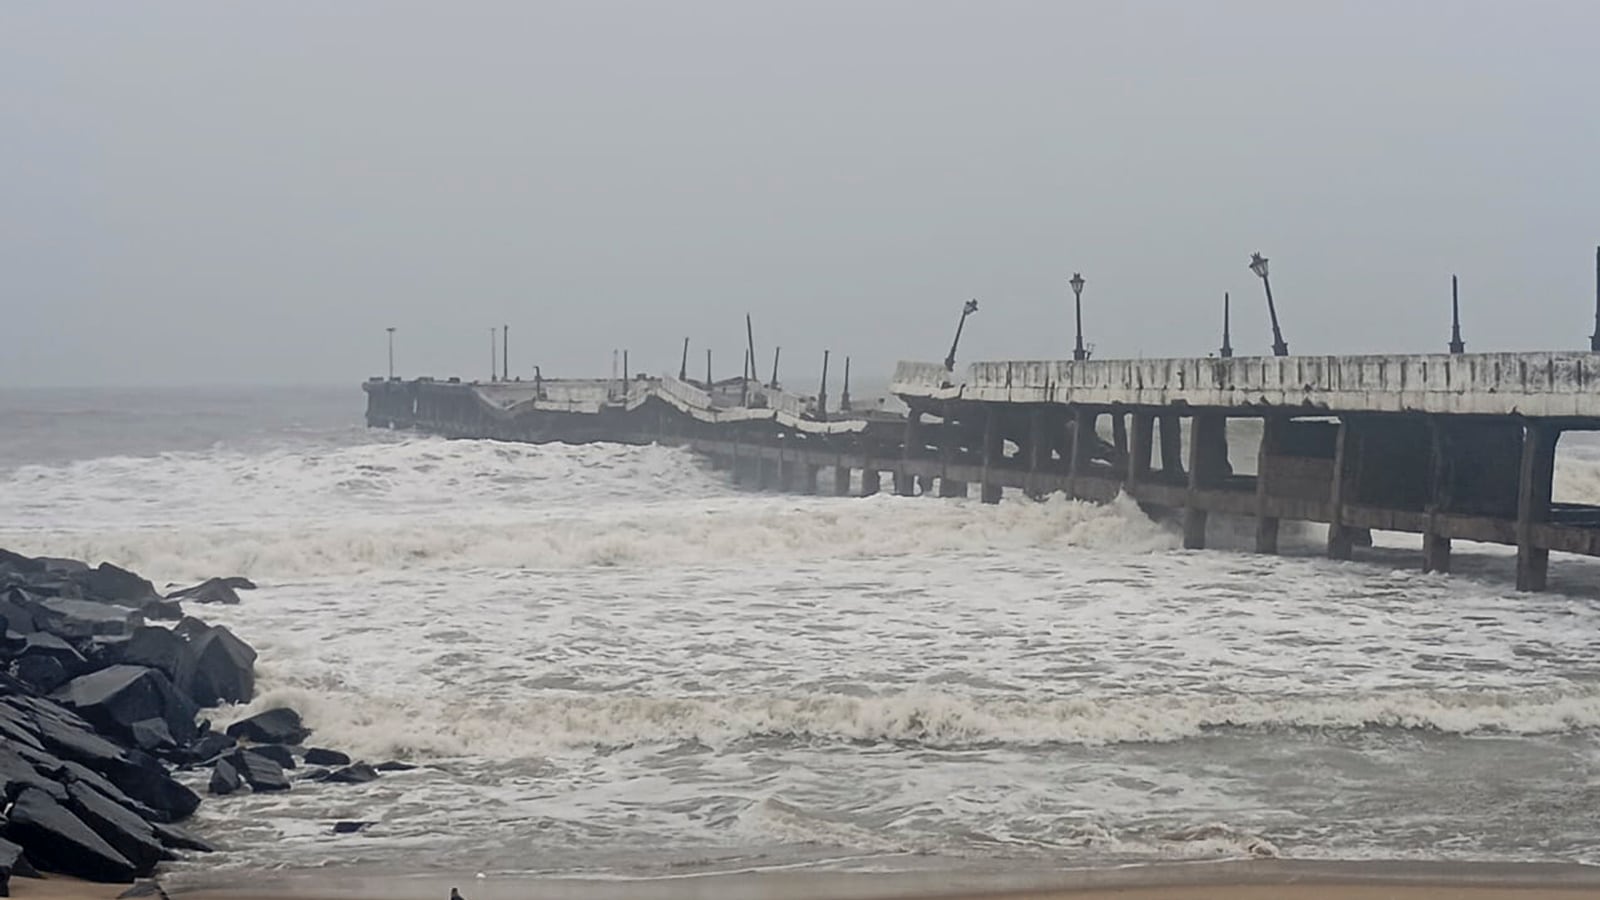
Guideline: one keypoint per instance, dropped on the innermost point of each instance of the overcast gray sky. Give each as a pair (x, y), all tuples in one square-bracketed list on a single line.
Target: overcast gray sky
[(248, 193)]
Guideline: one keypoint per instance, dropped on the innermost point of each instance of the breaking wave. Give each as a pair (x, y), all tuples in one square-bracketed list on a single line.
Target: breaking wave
[(553, 722), (672, 518)]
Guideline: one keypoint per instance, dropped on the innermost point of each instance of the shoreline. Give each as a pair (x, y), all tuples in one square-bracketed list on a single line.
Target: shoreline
[(1310, 879)]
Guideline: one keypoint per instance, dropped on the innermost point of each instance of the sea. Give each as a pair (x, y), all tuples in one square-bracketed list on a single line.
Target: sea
[(608, 662)]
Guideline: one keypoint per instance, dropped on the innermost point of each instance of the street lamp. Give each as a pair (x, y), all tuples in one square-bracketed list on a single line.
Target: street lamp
[(1078, 353), (390, 329), (967, 309), (1258, 265)]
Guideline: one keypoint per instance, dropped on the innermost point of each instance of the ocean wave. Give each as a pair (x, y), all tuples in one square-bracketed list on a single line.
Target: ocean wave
[(688, 533), (553, 722)]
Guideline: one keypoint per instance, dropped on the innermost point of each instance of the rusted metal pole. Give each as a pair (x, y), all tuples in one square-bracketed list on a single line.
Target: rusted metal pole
[(683, 367), (776, 352), (844, 395), (505, 352)]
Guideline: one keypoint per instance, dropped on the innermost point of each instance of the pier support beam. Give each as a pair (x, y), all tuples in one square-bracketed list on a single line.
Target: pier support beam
[(1142, 441), (841, 480), (949, 487), (1171, 448), (1533, 502), (1208, 441), (1083, 436), (1119, 441), (870, 483), (1266, 526), (803, 477), (1346, 456), (904, 484), (1036, 454), (993, 450), (1436, 546)]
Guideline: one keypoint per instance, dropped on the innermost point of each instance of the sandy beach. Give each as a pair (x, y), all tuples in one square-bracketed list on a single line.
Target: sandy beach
[(1243, 880)]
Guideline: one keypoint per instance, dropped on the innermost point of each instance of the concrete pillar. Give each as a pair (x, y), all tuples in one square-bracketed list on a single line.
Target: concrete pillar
[(1142, 440), (993, 450), (1119, 440), (841, 480), (803, 477), (1346, 458), (1207, 439), (736, 462), (1533, 502), (1083, 436), (769, 473), (1171, 447), (949, 487), (1036, 453), (1266, 525), (1436, 546), (1435, 552), (904, 483), (870, 483)]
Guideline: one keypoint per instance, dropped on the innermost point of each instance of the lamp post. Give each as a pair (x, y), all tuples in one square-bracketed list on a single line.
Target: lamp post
[(1457, 346), (1227, 338), (1258, 265), (1078, 353), (390, 329), (967, 309)]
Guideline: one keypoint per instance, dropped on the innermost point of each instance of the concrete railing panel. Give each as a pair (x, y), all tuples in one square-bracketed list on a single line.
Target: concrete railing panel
[(1534, 384)]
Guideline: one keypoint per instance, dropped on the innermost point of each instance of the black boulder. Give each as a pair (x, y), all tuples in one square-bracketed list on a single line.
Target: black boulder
[(319, 756), (212, 590), (278, 753), (159, 648), (360, 773), (114, 584), (223, 667), (279, 725), (42, 673), (130, 835), (117, 696), (58, 841), (224, 779), (261, 773)]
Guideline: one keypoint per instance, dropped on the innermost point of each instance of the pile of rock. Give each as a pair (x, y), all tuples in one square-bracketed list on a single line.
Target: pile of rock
[(271, 743), (96, 708)]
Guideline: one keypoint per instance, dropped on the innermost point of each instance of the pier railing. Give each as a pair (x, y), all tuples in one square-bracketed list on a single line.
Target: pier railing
[(1552, 384)]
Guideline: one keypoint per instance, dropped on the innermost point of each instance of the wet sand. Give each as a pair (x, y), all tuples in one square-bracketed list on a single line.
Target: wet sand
[(1244, 880)]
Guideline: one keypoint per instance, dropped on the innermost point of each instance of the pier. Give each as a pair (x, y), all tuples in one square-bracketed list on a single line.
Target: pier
[(1448, 446)]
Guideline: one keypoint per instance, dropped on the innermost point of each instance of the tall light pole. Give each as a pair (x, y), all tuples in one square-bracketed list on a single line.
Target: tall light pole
[(1227, 337), (390, 329), (494, 361), (1457, 346), (505, 352), (1078, 353), (967, 309), (1258, 265), (1594, 339)]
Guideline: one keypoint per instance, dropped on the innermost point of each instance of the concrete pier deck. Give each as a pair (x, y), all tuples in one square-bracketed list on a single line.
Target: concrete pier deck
[(1446, 446)]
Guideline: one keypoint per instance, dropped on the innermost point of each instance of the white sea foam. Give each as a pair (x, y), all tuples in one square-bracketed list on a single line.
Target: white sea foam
[(665, 533), (554, 722)]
